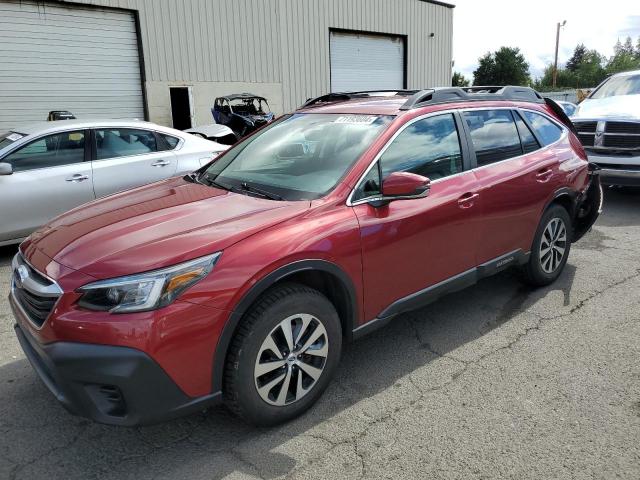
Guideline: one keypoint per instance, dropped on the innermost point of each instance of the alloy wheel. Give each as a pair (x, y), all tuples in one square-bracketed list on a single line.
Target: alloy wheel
[(553, 245), (291, 359)]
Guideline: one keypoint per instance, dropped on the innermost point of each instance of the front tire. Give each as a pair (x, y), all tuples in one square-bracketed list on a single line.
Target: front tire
[(283, 356), (550, 249)]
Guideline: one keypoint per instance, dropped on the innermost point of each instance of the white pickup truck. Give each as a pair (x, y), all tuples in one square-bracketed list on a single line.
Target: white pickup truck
[(608, 124)]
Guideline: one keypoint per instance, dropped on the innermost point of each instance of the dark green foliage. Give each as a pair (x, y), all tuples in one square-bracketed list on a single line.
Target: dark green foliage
[(506, 66), (458, 80), (587, 68)]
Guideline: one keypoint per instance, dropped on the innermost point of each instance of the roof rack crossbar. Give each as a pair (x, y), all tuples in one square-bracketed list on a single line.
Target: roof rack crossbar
[(343, 96), (467, 94)]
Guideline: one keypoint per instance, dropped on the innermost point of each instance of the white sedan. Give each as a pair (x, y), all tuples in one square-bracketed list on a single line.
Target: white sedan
[(50, 167)]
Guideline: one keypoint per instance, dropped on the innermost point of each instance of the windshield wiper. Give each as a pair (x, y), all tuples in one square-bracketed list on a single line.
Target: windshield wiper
[(191, 177), (244, 186), (265, 193), (207, 180)]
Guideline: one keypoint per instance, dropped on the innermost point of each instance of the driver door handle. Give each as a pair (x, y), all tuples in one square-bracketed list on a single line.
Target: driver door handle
[(78, 177), (161, 163), (467, 200)]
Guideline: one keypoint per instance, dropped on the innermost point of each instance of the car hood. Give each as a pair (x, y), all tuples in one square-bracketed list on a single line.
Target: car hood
[(153, 227), (624, 107)]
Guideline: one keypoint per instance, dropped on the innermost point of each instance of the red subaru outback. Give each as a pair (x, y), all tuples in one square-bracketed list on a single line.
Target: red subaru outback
[(243, 280)]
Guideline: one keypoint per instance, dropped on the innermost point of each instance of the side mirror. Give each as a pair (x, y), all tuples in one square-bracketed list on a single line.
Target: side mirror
[(6, 168), (400, 185)]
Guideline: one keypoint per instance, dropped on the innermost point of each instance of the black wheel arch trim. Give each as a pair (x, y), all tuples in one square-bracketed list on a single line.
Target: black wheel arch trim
[(563, 192), (249, 298)]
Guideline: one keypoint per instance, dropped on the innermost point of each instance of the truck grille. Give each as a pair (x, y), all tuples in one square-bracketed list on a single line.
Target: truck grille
[(615, 137), (622, 127), (35, 293)]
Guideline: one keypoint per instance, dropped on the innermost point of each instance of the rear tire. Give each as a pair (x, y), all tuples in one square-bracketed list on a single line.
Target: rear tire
[(550, 249), (283, 356)]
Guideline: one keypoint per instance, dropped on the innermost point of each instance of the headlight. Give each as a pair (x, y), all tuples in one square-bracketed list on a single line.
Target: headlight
[(145, 291)]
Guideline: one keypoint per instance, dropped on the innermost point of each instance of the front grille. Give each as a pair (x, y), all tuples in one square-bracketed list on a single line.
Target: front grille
[(36, 294), (622, 127), (586, 139), (586, 132), (621, 141), (613, 137), (36, 307), (586, 126)]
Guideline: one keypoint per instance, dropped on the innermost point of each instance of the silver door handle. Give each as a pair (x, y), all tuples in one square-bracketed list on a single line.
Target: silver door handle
[(161, 163), (77, 178)]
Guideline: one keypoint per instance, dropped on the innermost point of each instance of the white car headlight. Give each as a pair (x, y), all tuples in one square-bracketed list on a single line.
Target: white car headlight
[(145, 291)]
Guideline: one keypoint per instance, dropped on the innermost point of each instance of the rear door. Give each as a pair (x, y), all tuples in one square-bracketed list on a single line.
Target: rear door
[(516, 175), (51, 175), (124, 158)]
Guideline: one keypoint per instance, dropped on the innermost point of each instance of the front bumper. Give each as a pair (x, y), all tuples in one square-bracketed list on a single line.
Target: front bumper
[(108, 384), (617, 170)]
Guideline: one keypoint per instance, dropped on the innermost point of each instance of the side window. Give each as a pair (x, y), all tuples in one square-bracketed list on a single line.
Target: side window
[(493, 134), (529, 142), (50, 151), (428, 147), (547, 131), (123, 142), (171, 141)]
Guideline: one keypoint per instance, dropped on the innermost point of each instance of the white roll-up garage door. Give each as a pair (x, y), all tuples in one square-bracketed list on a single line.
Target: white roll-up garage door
[(56, 57), (366, 62)]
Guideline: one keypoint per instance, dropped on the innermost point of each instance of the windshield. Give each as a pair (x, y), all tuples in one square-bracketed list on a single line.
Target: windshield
[(301, 157), (7, 138), (250, 106), (623, 85)]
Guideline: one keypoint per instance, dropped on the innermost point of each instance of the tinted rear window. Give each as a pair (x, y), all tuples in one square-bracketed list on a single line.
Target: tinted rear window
[(529, 142), (494, 135), (547, 131)]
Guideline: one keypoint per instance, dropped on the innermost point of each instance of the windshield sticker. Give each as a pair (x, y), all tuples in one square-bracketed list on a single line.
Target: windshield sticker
[(357, 119), (14, 136)]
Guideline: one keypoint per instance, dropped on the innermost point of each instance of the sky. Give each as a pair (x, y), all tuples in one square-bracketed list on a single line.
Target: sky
[(480, 26)]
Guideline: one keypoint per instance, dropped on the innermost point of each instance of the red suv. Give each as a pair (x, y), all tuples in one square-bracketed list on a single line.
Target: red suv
[(243, 280)]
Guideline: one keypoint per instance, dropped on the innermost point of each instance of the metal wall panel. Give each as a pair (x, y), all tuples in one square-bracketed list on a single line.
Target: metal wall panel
[(84, 60), (282, 42)]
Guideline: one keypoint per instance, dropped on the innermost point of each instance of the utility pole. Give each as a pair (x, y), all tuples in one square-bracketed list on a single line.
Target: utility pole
[(555, 62)]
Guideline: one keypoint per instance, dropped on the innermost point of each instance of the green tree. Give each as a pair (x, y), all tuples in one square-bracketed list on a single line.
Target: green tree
[(577, 58), (506, 66), (625, 57), (484, 74), (459, 80), (587, 70)]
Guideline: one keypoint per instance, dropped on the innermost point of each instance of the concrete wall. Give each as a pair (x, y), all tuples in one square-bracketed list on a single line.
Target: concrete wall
[(276, 48)]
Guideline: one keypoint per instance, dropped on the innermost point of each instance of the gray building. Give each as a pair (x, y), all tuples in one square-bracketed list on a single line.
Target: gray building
[(166, 60)]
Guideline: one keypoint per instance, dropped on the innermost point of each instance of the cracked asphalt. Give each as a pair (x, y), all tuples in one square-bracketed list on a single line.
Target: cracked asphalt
[(497, 381)]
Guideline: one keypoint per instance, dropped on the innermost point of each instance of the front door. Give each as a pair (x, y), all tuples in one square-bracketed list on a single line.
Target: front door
[(50, 176), (127, 158), (409, 245)]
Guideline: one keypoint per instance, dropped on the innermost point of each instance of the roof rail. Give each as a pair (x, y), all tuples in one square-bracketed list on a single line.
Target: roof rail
[(467, 94), (343, 96)]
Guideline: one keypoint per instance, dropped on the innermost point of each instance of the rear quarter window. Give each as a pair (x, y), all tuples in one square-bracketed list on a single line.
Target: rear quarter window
[(547, 131), (171, 141)]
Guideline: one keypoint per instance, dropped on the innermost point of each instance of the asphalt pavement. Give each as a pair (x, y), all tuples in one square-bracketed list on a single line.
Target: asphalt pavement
[(497, 381)]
